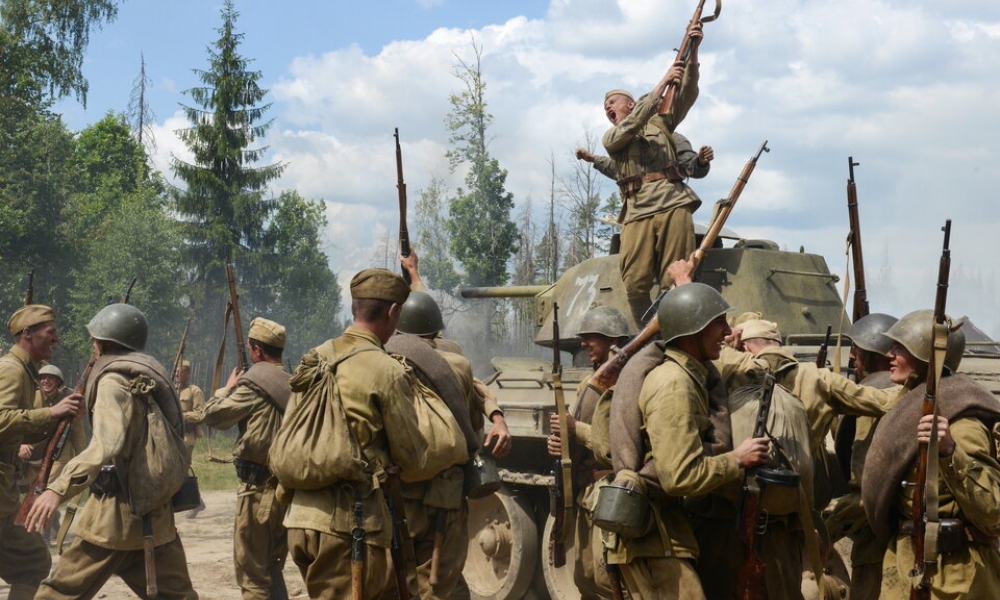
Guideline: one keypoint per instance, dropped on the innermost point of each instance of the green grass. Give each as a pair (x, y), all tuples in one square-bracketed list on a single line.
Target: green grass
[(214, 475)]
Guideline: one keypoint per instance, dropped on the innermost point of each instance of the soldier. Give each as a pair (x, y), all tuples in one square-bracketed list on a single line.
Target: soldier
[(657, 206), (601, 328), (125, 385), (675, 433), (870, 354), (51, 391), (376, 397), (24, 556), (192, 403), (968, 482), (256, 400)]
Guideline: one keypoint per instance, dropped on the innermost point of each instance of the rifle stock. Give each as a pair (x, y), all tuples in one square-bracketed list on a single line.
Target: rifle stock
[(404, 234), (564, 516), (607, 374), (684, 53), (923, 565), (750, 583)]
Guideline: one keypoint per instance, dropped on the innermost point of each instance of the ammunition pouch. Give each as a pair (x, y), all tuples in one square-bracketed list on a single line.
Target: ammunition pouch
[(954, 535), (251, 473), (106, 483)]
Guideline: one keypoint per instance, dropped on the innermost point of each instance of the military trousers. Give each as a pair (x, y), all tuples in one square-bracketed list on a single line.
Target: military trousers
[(24, 557), (454, 549), (973, 572), (325, 563), (649, 246), (662, 579), (260, 541), (590, 571), (84, 569)]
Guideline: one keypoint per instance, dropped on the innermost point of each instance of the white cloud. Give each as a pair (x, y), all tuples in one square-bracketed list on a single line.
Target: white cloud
[(907, 88)]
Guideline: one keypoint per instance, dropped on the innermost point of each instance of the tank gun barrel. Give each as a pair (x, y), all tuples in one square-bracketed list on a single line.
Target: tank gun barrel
[(510, 291)]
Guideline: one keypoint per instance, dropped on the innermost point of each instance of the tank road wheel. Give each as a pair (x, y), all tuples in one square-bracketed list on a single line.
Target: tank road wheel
[(503, 547), (560, 580)]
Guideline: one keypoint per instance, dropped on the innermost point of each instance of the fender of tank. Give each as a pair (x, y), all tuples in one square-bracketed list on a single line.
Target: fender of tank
[(794, 289)]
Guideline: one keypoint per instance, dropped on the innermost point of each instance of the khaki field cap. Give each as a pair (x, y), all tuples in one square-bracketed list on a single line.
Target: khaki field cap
[(759, 328), (185, 364), (619, 93), (747, 316), (29, 315), (267, 332), (379, 284)]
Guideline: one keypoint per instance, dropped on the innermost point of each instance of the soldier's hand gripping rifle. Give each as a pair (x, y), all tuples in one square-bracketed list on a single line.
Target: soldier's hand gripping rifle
[(562, 493), (925, 510), (404, 234), (607, 375), (59, 437), (854, 240), (688, 44), (750, 578)]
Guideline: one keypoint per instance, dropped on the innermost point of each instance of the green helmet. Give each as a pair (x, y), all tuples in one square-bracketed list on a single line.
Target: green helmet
[(689, 308), (604, 320), (51, 370), (868, 332), (120, 323), (915, 332), (420, 315)]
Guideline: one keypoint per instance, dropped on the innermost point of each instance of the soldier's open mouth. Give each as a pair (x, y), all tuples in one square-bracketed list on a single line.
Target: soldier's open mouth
[(611, 115)]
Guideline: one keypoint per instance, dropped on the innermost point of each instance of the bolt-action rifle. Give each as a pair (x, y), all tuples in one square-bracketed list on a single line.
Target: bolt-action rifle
[(404, 234), (179, 357), (404, 557), (925, 513), (824, 348), (59, 437), (234, 305), (750, 578), (29, 293), (562, 492), (854, 240), (688, 45), (607, 375)]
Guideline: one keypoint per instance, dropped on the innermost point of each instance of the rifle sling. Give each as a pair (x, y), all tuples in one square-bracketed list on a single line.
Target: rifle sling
[(932, 523)]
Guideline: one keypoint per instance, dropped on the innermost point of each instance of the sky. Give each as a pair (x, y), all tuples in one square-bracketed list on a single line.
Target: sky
[(908, 88)]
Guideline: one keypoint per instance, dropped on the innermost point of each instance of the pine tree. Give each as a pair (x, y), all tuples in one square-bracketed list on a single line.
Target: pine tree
[(224, 206)]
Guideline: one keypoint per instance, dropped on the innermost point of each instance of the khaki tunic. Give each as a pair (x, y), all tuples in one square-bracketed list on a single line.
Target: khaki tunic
[(674, 402), (24, 557), (657, 224), (108, 536), (969, 490), (193, 406), (260, 540), (376, 398)]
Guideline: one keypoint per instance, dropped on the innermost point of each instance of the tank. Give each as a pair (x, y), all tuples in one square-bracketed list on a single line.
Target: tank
[(509, 530)]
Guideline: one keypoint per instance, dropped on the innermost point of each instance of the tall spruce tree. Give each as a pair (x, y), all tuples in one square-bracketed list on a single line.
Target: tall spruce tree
[(225, 207)]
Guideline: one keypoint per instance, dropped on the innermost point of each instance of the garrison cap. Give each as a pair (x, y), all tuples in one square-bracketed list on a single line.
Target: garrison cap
[(267, 332), (619, 93), (185, 364), (29, 315), (747, 316), (379, 284), (759, 328)]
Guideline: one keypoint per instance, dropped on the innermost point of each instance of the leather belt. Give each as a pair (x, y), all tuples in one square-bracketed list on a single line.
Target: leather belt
[(954, 535)]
